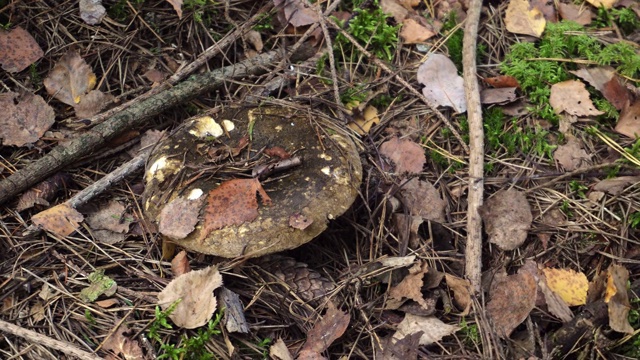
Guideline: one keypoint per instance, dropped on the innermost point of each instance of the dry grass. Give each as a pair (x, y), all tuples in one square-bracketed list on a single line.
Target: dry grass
[(143, 36)]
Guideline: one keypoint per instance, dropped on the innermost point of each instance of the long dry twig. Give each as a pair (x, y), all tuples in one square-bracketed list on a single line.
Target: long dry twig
[(134, 116), (473, 254)]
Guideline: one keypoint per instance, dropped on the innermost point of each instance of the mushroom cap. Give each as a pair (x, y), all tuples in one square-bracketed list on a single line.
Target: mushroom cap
[(182, 174)]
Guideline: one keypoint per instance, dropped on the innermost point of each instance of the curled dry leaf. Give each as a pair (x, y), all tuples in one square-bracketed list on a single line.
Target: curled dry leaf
[(120, 343), (325, 332), (461, 292), (507, 218), (570, 285), (195, 292), (180, 264), (407, 156), (409, 288), (617, 299), (520, 18), (18, 50), (177, 6), (25, 122), (512, 299), (298, 12), (423, 199), (572, 97), (61, 219), (442, 84), (433, 330), (571, 155)]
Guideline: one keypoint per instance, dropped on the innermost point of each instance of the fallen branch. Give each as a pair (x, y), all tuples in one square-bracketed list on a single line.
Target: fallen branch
[(37, 338), (134, 116), (473, 253)]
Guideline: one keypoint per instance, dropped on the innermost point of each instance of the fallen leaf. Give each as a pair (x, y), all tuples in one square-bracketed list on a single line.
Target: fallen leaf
[(195, 292), (254, 38), (365, 121), (298, 12), (154, 75), (99, 284), (442, 84), (629, 121), (37, 311), (25, 122), (70, 79), (18, 50), (92, 103), (92, 12), (234, 202), (433, 330), (617, 299), (407, 156), (412, 32), (498, 95), (607, 4), (120, 343), (47, 292), (177, 6), (576, 13), (393, 8), (461, 292), (521, 18), (332, 325), (405, 348), (507, 218), (545, 296), (44, 192), (179, 217), (423, 199), (61, 219), (180, 264), (112, 216), (279, 351), (571, 155), (512, 299), (299, 221), (502, 81), (409, 288), (547, 8), (572, 97), (617, 185), (107, 303), (604, 79), (571, 286)]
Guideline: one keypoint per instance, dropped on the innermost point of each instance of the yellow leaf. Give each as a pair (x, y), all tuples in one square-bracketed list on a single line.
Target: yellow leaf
[(362, 124), (571, 286), (607, 4), (61, 219), (520, 18)]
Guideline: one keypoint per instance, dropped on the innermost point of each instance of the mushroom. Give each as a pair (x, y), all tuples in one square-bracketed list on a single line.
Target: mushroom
[(207, 187)]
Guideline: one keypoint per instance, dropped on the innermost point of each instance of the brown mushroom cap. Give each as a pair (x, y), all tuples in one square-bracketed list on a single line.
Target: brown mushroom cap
[(323, 187)]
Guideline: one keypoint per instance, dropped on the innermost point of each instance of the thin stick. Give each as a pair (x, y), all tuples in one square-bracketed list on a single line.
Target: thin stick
[(37, 338), (402, 81), (473, 254)]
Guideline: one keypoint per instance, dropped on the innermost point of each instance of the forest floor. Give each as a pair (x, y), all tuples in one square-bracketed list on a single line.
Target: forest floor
[(386, 280)]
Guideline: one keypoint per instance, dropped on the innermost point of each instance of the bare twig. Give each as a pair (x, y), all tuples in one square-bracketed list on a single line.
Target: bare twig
[(473, 254), (37, 338)]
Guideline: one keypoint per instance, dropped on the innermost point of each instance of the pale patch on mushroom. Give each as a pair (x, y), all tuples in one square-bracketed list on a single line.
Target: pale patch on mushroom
[(325, 157), (195, 194), (160, 168), (326, 170), (205, 126)]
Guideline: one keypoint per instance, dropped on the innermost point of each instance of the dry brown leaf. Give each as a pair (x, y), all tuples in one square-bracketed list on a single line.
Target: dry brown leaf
[(521, 18), (234, 202), (70, 79), (512, 299), (92, 103), (393, 8), (121, 344), (61, 219), (423, 199), (615, 186), (617, 299), (604, 79), (179, 217), (571, 155), (572, 12), (442, 84), (571, 286), (154, 75), (254, 38), (180, 264), (25, 122), (195, 292), (607, 4), (461, 292), (555, 304), (92, 12), (572, 97), (412, 32), (279, 351), (407, 156), (44, 192), (507, 218), (547, 8), (107, 303), (37, 312), (18, 50), (498, 95), (502, 81), (433, 330), (298, 12), (111, 216), (177, 6), (332, 325), (409, 288), (629, 120)]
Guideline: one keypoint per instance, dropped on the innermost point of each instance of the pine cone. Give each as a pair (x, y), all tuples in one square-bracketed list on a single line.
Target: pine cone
[(307, 283)]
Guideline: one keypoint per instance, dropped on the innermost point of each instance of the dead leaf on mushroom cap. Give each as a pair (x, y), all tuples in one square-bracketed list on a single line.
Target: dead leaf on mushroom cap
[(507, 218), (25, 122), (18, 50), (237, 217)]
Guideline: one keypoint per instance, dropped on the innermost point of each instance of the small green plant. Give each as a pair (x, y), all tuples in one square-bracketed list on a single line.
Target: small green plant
[(89, 316), (200, 13), (353, 95), (508, 135), (625, 18), (566, 208), (470, 333), (265, 23), (576, 187), (264, 345), (188, 348), (634, 219), (372, 29), (454, 40)]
